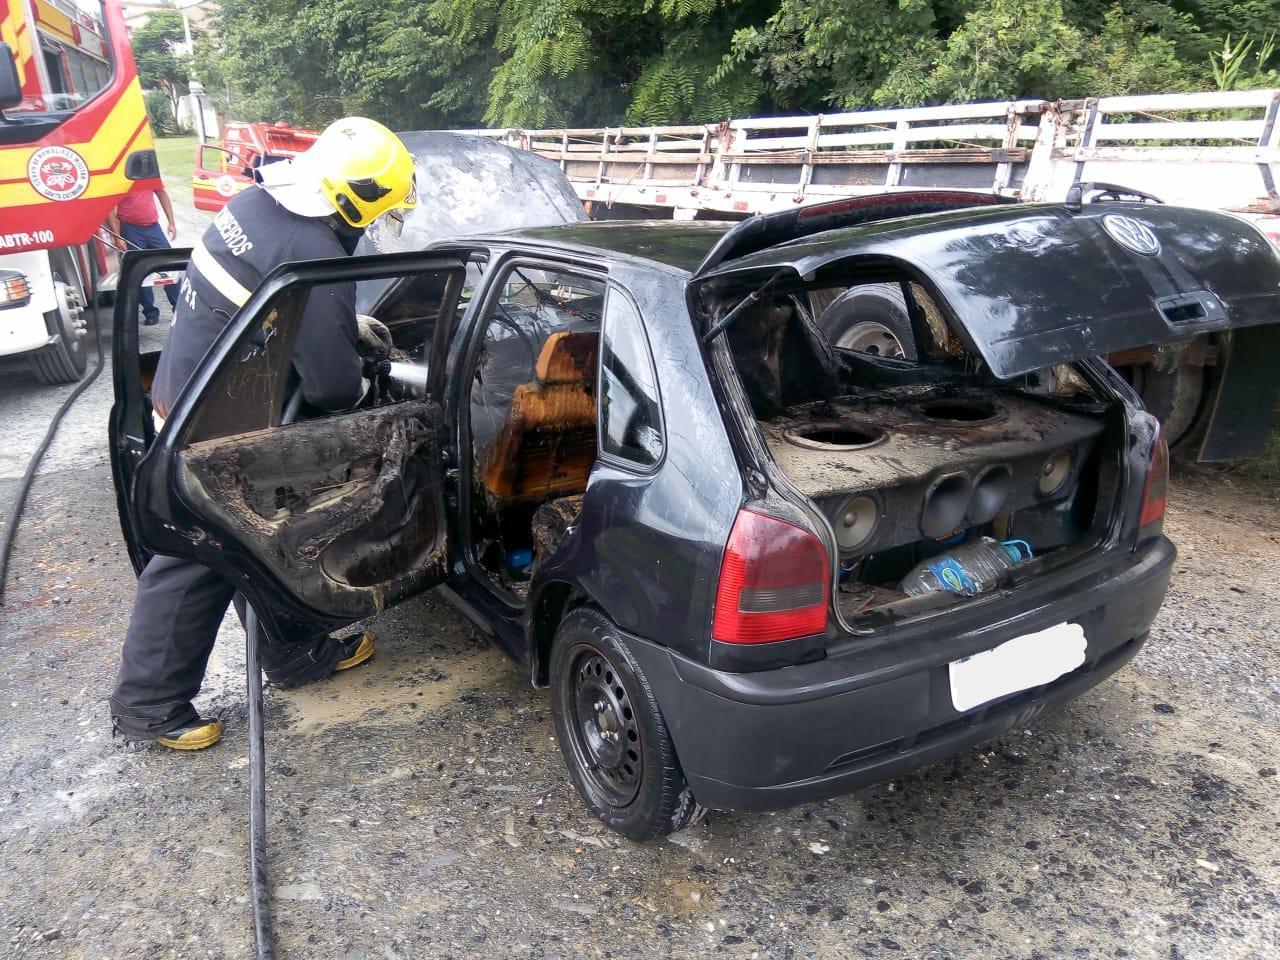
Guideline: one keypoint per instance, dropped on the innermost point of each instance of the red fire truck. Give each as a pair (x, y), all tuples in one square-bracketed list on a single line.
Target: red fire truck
[(74, 140), (224, 170)]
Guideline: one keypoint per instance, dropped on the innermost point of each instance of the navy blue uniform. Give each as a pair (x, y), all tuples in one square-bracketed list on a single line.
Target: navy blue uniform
[(249, 238), (180, 603)]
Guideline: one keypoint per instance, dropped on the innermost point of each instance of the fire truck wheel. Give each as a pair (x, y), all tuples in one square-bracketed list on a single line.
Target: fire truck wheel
[(64, 359)]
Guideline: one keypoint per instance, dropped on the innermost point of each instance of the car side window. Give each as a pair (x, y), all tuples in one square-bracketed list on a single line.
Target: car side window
[(535, 373), (630, 414)]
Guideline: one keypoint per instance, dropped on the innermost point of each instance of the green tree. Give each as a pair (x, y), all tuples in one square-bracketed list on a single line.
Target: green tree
[(817, 54), (407, 63), (159, 67), (534, 63), (159, 112)]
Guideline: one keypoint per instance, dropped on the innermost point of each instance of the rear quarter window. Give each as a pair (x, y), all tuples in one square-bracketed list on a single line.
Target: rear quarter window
[(630, 412)]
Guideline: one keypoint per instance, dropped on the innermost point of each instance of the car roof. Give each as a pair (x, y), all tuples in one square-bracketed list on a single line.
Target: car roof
[(678, 244)]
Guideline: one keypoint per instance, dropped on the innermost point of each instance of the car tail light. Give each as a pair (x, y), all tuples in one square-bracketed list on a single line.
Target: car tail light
[(775, 582), (1151, 519)]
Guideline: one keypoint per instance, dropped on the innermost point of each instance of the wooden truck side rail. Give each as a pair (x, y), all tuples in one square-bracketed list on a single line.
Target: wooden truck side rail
[(1201, 149)]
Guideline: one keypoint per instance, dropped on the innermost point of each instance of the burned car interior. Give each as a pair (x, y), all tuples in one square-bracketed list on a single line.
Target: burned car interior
[(907, 459), (532, 416)]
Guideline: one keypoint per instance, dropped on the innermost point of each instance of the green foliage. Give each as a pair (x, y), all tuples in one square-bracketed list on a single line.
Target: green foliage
[(159, 112), (821, 53), (687, 81), (1238, 66), (534, 63), (159, 67), (410, 64), (1119, 60)]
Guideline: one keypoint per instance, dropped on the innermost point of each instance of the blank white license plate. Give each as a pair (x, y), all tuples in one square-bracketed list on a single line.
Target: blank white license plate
[(1017, 664)]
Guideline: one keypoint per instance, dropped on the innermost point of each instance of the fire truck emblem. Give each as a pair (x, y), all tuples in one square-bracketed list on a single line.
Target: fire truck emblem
[(58, 173)]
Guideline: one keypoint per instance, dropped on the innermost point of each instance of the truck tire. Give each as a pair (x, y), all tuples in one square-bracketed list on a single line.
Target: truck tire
[(65, 359), (871, 319), (1179, 399)]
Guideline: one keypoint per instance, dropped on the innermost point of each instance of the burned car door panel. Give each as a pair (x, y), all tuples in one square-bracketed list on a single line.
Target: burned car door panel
[(341, 510), (331, 517)]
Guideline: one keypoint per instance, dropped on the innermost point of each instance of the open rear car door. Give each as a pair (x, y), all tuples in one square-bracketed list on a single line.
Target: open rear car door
[(320, 518)]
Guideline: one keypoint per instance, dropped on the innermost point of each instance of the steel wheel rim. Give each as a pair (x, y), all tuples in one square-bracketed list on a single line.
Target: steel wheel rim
[(69, 313), (603, 732), (873, 337)]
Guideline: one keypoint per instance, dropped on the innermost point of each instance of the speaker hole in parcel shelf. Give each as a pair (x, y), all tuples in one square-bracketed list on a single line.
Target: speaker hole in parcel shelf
[(954, 410), (989, 493), (945, 505), (842, 436)]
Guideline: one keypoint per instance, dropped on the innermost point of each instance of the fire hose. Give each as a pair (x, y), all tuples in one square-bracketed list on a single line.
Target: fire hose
[(260, 896), (28, 478)]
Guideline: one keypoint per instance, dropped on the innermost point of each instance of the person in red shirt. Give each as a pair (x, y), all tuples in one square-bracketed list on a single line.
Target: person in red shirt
[(135, 222)]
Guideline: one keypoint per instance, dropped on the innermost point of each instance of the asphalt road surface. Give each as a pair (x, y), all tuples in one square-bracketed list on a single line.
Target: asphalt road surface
[(419, 807)]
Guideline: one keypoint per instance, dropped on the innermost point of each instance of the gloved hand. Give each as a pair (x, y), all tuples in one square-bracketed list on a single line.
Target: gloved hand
[(374, 337)]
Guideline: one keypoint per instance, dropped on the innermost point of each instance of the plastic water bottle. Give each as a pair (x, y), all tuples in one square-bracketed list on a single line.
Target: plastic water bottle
[(967, 570)]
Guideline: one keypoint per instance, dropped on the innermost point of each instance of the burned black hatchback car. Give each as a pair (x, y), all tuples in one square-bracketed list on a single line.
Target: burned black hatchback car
[(754, 570)]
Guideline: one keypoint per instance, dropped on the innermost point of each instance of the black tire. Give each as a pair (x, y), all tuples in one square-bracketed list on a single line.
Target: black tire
[(870, 308), (66, 359), (56, 363), (1179, 400), (633, 782)]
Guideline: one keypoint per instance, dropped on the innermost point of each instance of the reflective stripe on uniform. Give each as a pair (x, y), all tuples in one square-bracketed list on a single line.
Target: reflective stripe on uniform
[(218, 277)]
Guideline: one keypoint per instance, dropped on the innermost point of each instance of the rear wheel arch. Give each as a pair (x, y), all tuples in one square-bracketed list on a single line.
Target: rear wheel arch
[(552, 604)]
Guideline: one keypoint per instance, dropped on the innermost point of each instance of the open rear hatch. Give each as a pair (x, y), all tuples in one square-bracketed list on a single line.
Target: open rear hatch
[(1027, 287), (995, 447)]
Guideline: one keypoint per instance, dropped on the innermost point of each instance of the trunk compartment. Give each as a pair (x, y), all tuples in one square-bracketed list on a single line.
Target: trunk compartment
[(905, 474), (906, 461)]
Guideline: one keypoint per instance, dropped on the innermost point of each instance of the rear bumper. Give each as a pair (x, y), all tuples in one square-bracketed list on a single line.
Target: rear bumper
[(881, 708)]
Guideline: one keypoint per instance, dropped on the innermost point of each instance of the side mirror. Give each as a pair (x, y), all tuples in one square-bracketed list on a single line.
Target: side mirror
[(10, 85), (142, 165)]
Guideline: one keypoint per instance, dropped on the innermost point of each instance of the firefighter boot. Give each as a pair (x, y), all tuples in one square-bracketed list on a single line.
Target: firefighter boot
[(196, 735), (355, 650)]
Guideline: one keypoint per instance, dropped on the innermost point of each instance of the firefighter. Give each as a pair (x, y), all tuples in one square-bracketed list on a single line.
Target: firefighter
[(314, 206)]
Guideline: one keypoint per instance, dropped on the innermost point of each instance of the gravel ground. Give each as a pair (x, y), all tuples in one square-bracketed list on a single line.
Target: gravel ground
[(419, 807)]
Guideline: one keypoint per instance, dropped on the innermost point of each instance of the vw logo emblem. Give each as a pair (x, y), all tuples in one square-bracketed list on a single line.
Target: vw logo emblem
[(1131, 233)]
